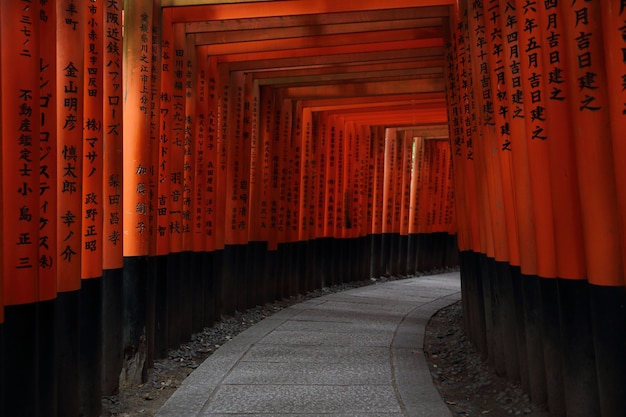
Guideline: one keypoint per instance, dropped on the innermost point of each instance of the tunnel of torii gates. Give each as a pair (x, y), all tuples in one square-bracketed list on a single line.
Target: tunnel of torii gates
[(207, 158)]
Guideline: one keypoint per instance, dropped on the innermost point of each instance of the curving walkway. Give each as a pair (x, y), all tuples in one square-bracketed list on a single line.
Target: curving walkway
[(354, 353)]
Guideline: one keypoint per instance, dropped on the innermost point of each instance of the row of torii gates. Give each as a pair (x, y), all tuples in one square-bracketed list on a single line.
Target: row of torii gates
[(166, 162)]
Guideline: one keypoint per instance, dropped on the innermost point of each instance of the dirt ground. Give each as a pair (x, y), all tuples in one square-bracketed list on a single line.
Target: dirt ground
[(468, 386)]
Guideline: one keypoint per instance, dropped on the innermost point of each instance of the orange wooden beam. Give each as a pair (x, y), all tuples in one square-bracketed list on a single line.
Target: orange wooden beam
[(313, 41), (326, 20), (351, 58), (262, 33), (336, 50), (287, 7), (429, 85)]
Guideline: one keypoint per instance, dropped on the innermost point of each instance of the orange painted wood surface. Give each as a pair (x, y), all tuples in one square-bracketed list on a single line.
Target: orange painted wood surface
[(190, 143), (47, 154), (588, 94), (165, 139), (518, 147), (177, 194), (200, 168), (137, 95), (534, 89), (212, 165), (223, 99), (71, 23), (20, 143), (615, 64), (289, 7), (93, 138), (112, 121)]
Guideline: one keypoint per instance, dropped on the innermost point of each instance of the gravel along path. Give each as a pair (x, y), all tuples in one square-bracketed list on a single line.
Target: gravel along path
[(468, 385)]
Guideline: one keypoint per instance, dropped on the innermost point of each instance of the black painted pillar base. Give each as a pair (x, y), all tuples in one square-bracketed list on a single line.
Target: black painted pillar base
[(509, 320), (316, 273), (112, 329), (394, 255), (151, 306), (197, 296), (174, 300), (482, 279), (325, 260), (473, 300), (91, 347), (487, 268), (240, 282), (161, 300), (522, 350), (496, 349), (228, 296), (285, 251), (21, 388), (579, 361), (365, 260), (534, 342), (186, 278), (552, 346), (301, 265), (452, 251), (376, 270), (210, 296), (218, 274), (411, 254), (403, 252), (466, 273), (254, 267), (67, 347), (270, 283), (421, 252), (608, 319), (2, 372), (134, 330), (424, 252), (347, 245), (385, 249), (335, 258), (46, 311)]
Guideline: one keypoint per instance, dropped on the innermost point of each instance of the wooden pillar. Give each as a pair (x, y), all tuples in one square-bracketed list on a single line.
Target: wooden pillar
[(190, 263), (306, 202), (377, 156), (199, 204), (137, 167), (210, 194), (609, 333), (265, 205), (588, 93), (20, 204), (323, 157), (112, 227), (295, 180), (71, 16), (364, 143), (91, 213), (48, 208), (337, 145), (406, 142), (227, 304), (283, 135), (236, 201), (255, 247)]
